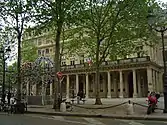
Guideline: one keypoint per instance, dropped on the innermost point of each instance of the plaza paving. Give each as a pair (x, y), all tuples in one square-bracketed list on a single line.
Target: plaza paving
[(107, 107)]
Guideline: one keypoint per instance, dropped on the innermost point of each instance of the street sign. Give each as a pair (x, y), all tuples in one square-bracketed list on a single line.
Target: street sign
[(59, 75)]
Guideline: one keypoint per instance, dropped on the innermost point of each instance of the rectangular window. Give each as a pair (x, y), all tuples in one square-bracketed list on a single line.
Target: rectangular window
[(72, 62), (50, 50), (43, 52), (81, 61), (47, 51), (39, 52), (63, 63)]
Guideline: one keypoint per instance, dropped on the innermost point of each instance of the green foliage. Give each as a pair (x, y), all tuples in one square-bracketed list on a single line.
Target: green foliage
[(12, 67), (158, 16), (16, 14), (29, 51), (50, 14), (116, 28), (11, 74)]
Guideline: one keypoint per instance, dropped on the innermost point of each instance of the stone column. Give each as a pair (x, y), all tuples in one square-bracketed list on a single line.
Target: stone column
[(121, 84), (134, 84), (109, 85), (149, 79), (87, 85), (139, 85), (51, 89), (153, 78), (77, 84), (161, 82), (67, 87), (156, 81)]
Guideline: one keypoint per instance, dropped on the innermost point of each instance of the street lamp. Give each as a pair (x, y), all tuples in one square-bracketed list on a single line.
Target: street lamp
[(158, 24), (3, 52)]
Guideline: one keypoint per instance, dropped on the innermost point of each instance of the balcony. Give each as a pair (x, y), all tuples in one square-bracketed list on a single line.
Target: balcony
[(118, 64)]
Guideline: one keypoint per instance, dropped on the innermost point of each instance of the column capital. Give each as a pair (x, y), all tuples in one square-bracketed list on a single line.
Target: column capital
[(134, 70), (67, 75), (120, 70)]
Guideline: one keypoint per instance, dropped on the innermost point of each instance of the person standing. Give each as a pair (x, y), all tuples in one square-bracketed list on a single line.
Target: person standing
[(9, 97)]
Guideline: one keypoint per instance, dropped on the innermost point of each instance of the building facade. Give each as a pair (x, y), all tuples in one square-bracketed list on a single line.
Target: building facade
[(123, 78)]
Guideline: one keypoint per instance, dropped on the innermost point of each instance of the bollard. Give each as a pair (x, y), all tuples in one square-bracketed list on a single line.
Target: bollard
[(63, 107), (130, 108)]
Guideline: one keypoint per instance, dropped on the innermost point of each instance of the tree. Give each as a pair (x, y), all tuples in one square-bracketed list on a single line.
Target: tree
[(16, 15), (7, 38), (111, 28), (29, 51), (11, 76), (56, 14)]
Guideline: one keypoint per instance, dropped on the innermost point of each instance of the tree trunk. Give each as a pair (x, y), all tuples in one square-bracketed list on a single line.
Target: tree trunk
[(18, 69), (98, 100), (57, 96)]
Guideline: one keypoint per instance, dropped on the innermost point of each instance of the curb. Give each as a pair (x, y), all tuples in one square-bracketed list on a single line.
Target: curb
[(128, 117)]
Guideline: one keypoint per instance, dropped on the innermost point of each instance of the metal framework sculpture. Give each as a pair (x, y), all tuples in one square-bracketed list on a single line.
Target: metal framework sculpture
[(38, 73)]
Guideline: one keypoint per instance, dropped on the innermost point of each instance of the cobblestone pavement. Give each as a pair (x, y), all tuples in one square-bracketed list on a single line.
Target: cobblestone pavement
[(60, 120), (120, 100), (97, 121), (100, 109)]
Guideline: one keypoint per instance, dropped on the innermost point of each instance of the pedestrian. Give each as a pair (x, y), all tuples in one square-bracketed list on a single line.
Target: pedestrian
[(9, 97)]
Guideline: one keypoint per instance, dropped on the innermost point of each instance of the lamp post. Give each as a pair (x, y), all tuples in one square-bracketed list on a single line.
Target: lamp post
[(3, 52), (158, 24)]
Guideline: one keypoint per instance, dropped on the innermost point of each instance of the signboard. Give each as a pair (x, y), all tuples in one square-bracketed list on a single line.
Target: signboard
[(59, 75)]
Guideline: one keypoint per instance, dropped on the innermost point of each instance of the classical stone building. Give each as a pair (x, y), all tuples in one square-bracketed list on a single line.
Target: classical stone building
[(125, 78)]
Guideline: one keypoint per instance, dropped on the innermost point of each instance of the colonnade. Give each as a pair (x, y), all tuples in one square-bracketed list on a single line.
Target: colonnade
[(116, 84)]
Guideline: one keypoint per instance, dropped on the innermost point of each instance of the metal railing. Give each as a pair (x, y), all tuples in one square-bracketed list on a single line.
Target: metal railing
[(111, 63)]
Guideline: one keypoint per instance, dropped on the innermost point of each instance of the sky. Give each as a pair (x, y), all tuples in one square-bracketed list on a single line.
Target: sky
[(164, 1)]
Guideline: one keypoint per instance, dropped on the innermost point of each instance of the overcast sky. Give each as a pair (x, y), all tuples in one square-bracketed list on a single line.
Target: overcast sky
[(164, 1)]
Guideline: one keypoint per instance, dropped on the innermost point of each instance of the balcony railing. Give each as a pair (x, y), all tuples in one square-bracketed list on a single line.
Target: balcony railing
[(111, 63)]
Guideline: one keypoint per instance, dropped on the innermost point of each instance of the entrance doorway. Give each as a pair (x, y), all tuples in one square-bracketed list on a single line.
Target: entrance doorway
[(130, 83), (81, 87)]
